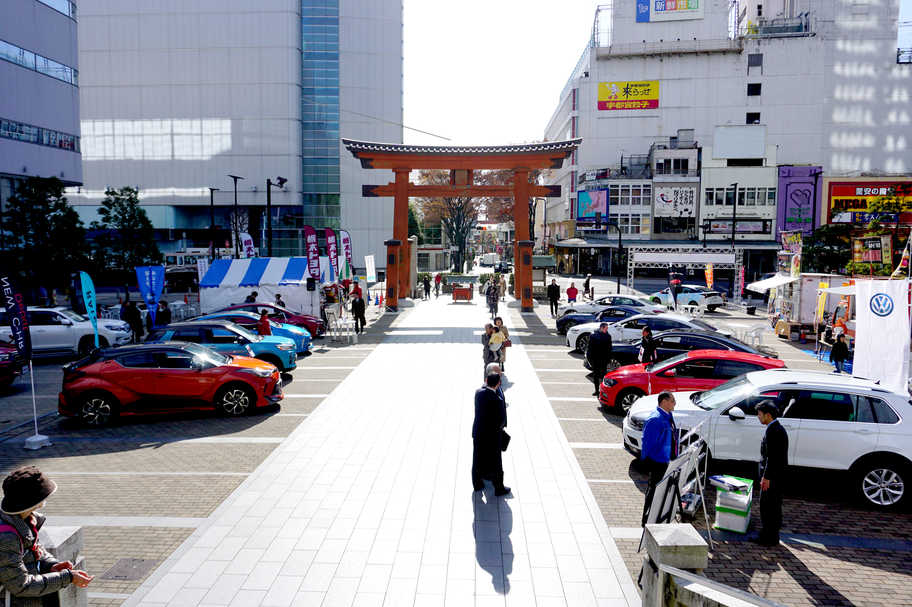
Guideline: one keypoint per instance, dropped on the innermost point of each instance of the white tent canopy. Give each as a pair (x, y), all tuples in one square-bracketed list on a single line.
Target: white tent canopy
[(229, 281), (845, 290), (762, 286)]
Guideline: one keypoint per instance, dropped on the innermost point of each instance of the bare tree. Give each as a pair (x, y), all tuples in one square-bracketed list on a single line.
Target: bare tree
[(239, 221), (458, 215)]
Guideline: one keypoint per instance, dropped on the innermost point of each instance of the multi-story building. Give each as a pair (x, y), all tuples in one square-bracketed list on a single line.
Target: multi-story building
[(177, 96), (823, 79), (39, 106)]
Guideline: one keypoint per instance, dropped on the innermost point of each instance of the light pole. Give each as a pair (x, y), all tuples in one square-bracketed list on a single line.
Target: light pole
[(734, 213), (212, 192), (279, 182), (620, 253), (816, 175), (235, 227)]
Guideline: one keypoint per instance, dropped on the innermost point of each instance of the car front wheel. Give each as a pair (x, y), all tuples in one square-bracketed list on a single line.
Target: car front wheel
[(582, 343), (98, 410), (235, 401), (626, 399), (883, 483), (568, 326)]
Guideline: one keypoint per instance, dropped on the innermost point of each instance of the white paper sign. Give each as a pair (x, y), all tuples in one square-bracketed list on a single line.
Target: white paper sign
[(675, 201), (882, 333), (371, 266)]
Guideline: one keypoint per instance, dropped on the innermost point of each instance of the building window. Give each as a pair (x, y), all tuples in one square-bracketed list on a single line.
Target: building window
[(753, 89), (62, 6), (759, 10), (35, 62), (752, 118), (19, 131), (755, 60), (679, 166)]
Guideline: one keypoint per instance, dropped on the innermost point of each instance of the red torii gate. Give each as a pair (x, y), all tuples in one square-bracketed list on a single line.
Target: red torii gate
[(461, 161)]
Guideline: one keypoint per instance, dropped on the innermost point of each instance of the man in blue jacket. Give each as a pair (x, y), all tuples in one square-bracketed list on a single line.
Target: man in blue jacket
[(659, 444)]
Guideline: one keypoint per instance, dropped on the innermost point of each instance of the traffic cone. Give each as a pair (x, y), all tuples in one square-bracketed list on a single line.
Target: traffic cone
[(381, 301)]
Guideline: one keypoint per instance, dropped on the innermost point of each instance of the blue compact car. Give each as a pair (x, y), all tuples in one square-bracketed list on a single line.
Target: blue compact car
[(610, 314), (229, 338), (249, 320)]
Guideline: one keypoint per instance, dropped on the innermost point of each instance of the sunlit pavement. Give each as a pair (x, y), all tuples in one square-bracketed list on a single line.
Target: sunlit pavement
[(369, 501)]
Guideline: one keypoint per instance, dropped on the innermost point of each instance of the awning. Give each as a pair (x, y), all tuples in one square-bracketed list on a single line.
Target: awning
[(845, 290), (256, 272), (762, 286), (582, 243)]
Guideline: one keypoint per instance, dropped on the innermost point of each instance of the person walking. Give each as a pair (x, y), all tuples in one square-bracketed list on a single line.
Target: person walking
[(427, 286), (553, 296), (598, 353), (27, 571), (502, 359), (279, 301), (572, 292), (133, 317), (263, 327), (163, 316), (840, 353), (357, 308), (659, 445), (560, 267), (486, 354), (586, 282), (773, 461), (502, 286), (437, 280), (491, 297), (647, 347), (252, 297), (488, 436)]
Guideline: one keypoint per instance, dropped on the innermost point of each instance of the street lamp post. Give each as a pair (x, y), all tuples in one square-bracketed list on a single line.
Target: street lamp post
[(235, 227), (620, 253), (212, 192), (734, 213), (279, 182)]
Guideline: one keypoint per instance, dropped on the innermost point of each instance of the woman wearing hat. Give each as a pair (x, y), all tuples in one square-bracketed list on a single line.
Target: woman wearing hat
[(27, 571)]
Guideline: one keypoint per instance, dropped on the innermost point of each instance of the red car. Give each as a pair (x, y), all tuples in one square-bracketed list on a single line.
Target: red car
[(10, 364), (279, 314), (694, 370), (163, 378)]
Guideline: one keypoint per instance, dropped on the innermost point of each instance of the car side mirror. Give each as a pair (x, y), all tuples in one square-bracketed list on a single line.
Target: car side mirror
[(735, 414), (196, 365), (66, 322), (671, 373)]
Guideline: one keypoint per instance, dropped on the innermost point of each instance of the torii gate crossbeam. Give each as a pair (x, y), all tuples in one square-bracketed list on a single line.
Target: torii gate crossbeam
[(461, 161)]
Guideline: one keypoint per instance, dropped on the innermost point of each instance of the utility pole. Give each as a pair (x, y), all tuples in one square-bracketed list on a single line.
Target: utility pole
[(212, 247), (236, 227), (279, 182)]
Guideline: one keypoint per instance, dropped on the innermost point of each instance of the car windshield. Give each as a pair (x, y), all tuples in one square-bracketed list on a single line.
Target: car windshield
[(730, 391), (703, 325), (666, 363), (207, 354), (73, 315), (246, 334)]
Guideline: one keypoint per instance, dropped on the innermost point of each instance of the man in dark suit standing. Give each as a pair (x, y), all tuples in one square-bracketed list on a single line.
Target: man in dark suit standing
[(774, 459), (598, 353), (487, 434), (553, 296)]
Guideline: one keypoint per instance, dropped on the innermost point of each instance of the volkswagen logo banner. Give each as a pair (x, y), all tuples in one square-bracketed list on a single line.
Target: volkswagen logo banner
[(882, 333)]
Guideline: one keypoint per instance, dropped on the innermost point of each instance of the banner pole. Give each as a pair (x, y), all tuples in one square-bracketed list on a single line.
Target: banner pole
[(38, 440)]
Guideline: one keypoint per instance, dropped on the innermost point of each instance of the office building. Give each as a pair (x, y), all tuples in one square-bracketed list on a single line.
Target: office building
[(176, 96), (39, 105)]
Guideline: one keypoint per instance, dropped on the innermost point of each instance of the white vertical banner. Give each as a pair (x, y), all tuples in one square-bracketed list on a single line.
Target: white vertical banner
[(371, 266), (882, 333)]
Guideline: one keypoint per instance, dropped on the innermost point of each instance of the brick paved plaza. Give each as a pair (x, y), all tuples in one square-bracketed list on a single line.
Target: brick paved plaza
[(357, 491)]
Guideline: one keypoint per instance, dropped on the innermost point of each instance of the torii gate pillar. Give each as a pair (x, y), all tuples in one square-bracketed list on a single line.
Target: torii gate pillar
[(400, 232)]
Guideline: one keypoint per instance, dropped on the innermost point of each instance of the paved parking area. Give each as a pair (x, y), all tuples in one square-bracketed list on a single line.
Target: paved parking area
[(836, 552)]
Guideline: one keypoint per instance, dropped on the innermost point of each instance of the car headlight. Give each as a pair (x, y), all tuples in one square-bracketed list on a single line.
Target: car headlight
[(609, 382), (286, 346), (637, 423), (257, 371)]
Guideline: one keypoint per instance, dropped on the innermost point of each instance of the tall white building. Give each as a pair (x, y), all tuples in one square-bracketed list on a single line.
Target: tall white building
[(822, 79), (176, 96)]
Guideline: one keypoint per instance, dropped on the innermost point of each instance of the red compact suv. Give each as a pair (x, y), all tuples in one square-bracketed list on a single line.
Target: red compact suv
[(10, 364), (164, 378), (694, 370), (279, 314)]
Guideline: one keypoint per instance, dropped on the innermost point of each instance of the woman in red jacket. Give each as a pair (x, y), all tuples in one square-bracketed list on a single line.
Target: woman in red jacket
[(263, 327)]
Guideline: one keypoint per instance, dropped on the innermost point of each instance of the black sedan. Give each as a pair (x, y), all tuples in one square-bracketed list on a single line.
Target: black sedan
[(677, 341), (609, 314)]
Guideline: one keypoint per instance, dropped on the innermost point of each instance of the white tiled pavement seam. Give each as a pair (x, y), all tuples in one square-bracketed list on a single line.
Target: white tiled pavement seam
[(369, 501)]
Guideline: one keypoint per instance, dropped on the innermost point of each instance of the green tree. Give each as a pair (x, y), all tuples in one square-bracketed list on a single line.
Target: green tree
[(414, 224), (898, 200), (126, 238), (45, 241), (828, 249)]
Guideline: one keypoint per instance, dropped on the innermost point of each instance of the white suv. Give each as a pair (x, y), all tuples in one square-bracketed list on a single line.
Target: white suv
[(833, 421), (63, 330)]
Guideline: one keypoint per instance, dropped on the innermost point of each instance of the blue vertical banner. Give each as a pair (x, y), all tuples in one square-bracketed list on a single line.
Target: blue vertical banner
[(88, 296), (642, 9), (17, 315), (151, 283)]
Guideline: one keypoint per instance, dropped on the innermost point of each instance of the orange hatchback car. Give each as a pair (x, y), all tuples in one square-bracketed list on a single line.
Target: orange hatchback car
[(164, 378)]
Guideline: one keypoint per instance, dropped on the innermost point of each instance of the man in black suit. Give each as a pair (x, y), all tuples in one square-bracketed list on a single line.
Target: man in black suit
[(487, 434), (598, 353), (774, 459), (553, 296)]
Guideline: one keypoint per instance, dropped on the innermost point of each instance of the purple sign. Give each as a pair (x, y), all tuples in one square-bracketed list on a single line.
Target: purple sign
[(796, 206)]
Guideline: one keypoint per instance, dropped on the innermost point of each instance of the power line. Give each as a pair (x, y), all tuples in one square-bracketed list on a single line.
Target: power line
[(318, 104)]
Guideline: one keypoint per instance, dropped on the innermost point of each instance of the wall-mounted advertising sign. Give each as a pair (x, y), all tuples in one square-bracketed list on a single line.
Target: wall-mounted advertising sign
[(590, 202), (743, 226), (628, 95), (872, 249), (797, 187), (668, 10), (850, 200), (675, 201)]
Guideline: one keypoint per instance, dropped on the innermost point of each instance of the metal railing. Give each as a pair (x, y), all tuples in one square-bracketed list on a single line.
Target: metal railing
[(669, 47), (777, 28)]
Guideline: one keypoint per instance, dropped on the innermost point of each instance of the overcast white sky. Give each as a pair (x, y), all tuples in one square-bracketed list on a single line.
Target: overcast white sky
[(491, 71), (488, 71)]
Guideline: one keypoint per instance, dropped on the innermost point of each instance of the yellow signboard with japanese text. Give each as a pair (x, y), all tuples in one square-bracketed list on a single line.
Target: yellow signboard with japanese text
[(628, 95)]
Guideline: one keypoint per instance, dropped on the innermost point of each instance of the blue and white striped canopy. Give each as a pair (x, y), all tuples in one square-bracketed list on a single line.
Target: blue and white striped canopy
[(256, 272)]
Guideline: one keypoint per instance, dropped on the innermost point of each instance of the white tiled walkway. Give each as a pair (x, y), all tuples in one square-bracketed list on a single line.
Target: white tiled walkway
[(370, 502)]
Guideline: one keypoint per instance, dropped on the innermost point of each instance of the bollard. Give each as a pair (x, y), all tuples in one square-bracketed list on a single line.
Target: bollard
[(674, 545), (65, 543)]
